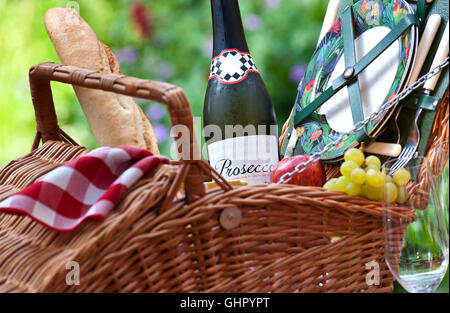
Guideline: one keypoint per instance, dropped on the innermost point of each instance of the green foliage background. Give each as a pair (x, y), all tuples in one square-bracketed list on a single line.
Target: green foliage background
[(284, 37), (182, 31)]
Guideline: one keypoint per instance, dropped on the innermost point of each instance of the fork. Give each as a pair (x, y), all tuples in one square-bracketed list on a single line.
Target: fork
[(412, 142)]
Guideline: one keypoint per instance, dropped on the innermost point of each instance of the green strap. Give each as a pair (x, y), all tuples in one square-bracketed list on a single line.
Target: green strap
[(354, 95), (344, 4), (421, 101), (365, 61), (420, 11)]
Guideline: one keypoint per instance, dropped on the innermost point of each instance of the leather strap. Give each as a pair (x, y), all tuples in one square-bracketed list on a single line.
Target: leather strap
[(173, 96), (107, 81), (46, 122), (78, 76), (365, 61)]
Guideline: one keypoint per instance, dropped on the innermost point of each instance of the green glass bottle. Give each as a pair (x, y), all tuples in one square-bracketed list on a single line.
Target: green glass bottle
[(240, 126)]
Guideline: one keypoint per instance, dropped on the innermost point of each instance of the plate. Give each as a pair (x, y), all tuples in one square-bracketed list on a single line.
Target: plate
[(379, 82), (380, 126)]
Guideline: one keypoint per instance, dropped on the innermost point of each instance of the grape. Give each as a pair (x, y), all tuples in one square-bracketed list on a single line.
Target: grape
[(358, 176), (402, 194), (363, 190), (387, 178), (347, 167), (372, 193), (401, 177), (331, 184), (374, 178), (341, 183), (354, 155), (373, 160), (353, 189), (373, 167), (389, 192)]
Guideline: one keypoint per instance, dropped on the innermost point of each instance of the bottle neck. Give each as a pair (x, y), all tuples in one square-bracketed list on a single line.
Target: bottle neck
[(227, 26)]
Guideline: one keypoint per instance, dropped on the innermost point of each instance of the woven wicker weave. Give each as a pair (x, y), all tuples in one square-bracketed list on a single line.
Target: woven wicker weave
[(151, 243)]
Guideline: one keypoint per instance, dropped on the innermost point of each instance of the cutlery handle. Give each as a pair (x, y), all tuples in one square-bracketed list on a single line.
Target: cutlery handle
[(383, 148), (330, 18), (441, 54), (425, 43)]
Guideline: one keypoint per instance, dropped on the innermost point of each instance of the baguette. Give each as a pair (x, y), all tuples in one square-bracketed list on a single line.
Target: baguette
[(115, 120)]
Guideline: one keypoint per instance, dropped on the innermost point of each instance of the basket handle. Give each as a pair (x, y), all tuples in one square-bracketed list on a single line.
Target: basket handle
[(174, 97)]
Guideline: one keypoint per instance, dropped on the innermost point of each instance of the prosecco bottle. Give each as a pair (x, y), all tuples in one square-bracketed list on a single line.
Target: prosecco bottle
[(240, 126)]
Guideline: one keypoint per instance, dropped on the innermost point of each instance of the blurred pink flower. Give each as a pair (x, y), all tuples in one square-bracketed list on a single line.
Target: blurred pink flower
[(296, 73), (142, 19), (273, 4), (208, 48), (127, 55), (161, 132), (252, 22), (164, 70), (155, 112)]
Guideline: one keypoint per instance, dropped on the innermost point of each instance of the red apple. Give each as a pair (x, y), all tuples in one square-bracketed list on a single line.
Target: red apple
[(313, 175)]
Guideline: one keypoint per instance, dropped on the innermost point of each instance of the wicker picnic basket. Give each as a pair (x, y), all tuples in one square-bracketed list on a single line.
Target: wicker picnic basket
[(267, 238)]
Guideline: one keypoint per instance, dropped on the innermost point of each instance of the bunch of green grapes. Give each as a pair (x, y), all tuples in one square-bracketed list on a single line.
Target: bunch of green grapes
[(363, 177)]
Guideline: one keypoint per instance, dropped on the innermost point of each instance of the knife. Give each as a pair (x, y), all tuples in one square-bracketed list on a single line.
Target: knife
[(441, 54), (426, 41), (413, 140)]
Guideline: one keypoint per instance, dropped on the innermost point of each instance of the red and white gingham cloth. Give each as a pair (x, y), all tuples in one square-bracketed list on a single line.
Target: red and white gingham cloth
[(87, 187)]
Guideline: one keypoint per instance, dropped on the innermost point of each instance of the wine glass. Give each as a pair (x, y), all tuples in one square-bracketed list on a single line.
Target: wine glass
[(415, 232)]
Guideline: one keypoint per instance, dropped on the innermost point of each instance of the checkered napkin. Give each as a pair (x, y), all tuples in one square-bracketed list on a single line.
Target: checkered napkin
[(87, 187)]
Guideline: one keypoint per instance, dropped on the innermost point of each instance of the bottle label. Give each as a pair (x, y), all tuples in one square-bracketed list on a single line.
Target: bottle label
[(249, 158), (232, 66)]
